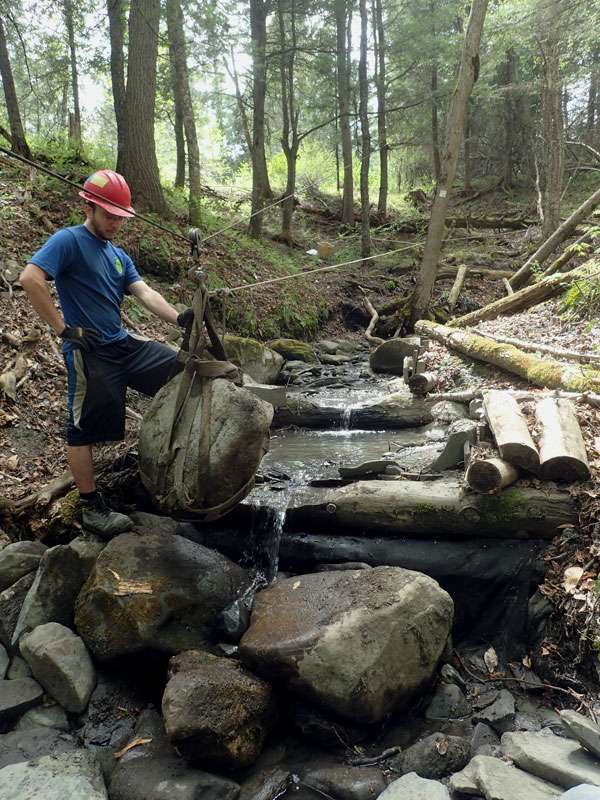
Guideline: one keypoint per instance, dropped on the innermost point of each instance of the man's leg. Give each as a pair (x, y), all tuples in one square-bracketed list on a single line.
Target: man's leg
[(81, 462)]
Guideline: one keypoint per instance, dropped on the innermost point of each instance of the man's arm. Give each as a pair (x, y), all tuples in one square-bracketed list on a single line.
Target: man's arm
[(33, 281), (153, 301)]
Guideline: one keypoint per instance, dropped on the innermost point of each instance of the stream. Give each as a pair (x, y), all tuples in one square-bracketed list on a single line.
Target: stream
[(490, 580)]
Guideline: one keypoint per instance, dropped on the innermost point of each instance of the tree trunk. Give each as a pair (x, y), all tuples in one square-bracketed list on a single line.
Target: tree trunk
[(177, 41), (380, 78), (392, 411), (524, 298), (342, 14), (289, 136), (140, 167), (75, 122), (508, 78), (435, 127), (549, 15), (260, 180), (467, 75), (592, 103), (365, 220), (467, 153), (116, 24), (541, 372), (521, 277), (17, 134)]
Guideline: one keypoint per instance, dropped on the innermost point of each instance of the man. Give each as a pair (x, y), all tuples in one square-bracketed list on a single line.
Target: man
[(103, 359)]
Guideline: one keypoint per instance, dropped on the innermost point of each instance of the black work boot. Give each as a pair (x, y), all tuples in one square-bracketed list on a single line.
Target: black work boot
[(99, 518)]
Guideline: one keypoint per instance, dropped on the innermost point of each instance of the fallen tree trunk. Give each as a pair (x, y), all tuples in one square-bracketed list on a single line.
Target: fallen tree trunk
[(521, 277), (458, 284), (548, 374), (448, 270), (490, 474), (536, 347), (525, 298), (400, 410), (569, 253), (436, 508), (510, 430), (562, 450)]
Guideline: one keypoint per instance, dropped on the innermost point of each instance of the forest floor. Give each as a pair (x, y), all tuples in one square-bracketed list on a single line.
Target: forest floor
[(33, 412)]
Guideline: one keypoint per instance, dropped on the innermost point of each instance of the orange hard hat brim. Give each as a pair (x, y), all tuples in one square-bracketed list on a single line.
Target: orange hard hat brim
[(107, 206)]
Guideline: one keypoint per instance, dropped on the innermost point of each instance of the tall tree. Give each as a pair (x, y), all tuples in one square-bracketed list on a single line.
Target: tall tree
[(261, 188), (116, 24), (380, 81), (75, 115), (16, 136), (467, 75), (290, 141), (184, 96), (549, 17), (343, 14), (140, 166), (363, 79)]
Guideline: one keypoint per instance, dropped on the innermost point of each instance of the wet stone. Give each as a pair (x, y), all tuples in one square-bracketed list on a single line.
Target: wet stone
[(40, 717), (500, 715), (413, 787), (168, 779), (434, 757), (484, 741), (582, 729), (26, 745), (11, 601), (17, 696), (329, 728), (4, 661), (265, 784), (19, 559), (63, 776), (449, 702), (345, 782)]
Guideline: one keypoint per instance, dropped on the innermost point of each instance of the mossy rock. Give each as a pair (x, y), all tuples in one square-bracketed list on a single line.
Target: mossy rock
[(294, 350)]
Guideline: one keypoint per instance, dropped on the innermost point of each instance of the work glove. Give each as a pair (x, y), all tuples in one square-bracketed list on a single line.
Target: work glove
[(86, 338), (185, 317)]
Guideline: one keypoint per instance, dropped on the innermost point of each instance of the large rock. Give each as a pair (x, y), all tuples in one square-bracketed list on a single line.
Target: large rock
[(63, 776), (17, 696), (583, 729), (168, 778), (61, 573), (17, 559), (294, 350), (257, 360), (217, 714), (553, 758), (197, 472), (361, 643), (11, 602), (61, 663), (413, 787), (158, 593), (389, 356), (498, 780), (433, 757), (19, 745)]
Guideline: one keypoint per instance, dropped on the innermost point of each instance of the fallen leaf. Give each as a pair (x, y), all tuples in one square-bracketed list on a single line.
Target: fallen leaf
[(442, 746), (491, 659), (571, 578), (135, 743)]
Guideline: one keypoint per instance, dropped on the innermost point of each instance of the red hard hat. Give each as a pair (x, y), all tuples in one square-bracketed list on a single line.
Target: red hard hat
[(106, 187)]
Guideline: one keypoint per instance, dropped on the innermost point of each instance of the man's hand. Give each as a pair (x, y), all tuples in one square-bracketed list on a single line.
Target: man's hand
[(185, 317), (86, 338)]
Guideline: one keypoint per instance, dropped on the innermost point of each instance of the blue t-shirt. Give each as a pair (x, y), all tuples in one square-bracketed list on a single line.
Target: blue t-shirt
[(91, 278)]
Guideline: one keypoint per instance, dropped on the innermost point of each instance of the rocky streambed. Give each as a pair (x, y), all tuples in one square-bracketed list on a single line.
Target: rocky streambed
[(385, 660)]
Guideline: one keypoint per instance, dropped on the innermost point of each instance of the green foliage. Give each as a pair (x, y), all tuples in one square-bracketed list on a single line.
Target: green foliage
[(135, 310), (582, 299)]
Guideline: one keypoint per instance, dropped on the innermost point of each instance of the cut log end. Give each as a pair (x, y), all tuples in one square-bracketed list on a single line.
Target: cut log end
[(564, 468), (491, 474)]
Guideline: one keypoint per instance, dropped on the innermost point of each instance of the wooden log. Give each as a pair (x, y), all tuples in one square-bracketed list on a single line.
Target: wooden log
[(435, 508), (456, 288), (449, 270), (490, 474), (563, 455), (541, 372), (510, 430), (422, 382), (525, 298), (537, 347), (507, 286)]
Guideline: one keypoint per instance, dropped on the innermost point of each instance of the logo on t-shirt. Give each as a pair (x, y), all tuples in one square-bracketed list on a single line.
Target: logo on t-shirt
[(119, 266)]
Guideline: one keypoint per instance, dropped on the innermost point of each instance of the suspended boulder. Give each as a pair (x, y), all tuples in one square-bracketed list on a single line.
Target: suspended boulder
[(203, 437), (200, 461)]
